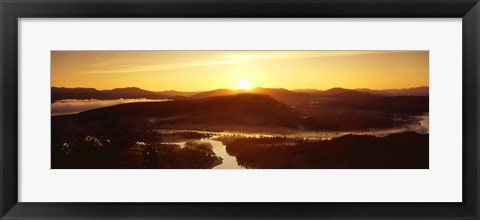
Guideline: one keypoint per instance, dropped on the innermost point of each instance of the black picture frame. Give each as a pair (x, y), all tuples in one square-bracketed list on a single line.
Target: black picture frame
[(12, 10)]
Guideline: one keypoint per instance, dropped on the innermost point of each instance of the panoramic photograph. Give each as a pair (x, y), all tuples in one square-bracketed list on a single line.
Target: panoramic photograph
[(240, 109)]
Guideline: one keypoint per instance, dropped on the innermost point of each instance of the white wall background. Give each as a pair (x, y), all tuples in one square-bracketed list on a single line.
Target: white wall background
[(441, 183)]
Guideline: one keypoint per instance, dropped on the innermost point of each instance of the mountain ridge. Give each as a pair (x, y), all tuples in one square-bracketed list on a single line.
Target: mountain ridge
[(253, 110), (282, 94)]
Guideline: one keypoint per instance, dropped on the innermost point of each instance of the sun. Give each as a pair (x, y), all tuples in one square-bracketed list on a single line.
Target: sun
[(243, 84)]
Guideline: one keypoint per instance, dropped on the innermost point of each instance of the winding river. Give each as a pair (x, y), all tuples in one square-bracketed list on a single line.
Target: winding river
[(230, 162)]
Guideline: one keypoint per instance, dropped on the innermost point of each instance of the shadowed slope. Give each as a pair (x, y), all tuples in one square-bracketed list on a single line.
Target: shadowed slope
[(236, 110)]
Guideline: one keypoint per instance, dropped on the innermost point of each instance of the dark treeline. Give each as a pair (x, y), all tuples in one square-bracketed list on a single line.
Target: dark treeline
[(191, 134), (112, 143), (397, 151), (195, 155)]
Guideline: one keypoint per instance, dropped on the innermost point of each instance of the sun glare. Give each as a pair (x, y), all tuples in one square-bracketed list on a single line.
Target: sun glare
[(243, 84)]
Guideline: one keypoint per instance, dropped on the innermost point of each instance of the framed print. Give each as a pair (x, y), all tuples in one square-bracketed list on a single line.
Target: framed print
[(195, 125), (224, 109)]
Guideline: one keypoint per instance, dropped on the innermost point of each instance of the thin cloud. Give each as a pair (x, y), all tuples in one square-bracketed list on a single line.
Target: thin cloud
[(125, 66)]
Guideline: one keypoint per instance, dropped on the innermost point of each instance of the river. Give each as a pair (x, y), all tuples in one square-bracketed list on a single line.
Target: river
[(421, 125)]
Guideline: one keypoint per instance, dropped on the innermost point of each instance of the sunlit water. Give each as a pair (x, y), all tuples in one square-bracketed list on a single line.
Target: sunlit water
[(228, 161), (421, 125), (73, 106)]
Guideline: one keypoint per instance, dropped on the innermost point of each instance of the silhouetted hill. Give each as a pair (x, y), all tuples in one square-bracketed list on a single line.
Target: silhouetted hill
[(333, 91), (90, 93), (284, 95), (328, 92), (252, 110), (416, 91), (73, 90), (216, 92), (174, 93), (132, 92), (348, 95), (280, 94), (294, 96), (59, 93)]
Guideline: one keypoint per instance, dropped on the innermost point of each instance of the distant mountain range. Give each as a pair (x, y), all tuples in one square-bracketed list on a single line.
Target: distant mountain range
[(416, 91), (281, 94), (59, 93)]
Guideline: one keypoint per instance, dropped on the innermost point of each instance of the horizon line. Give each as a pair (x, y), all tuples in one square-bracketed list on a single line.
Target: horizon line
[(258, 87)]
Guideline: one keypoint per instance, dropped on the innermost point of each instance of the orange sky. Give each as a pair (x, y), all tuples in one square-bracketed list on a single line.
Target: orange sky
[(207, 70)]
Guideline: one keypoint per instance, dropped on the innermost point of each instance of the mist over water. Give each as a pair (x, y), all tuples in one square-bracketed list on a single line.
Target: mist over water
[(216, 156), (420, 125), (74, 106)]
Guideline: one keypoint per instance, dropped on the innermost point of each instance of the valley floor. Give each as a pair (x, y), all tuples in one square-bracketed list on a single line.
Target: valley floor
[(204, 150)]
